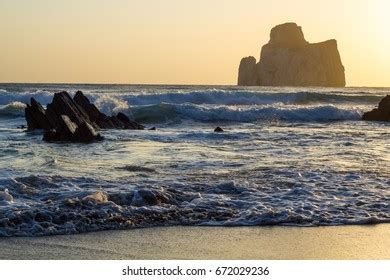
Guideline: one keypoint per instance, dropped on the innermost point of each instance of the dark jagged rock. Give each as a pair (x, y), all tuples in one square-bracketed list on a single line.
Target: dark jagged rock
[(69, 131), (67, 127), (74, 120), (99, 118), (85, 133), (51, 136), (289, 60), (152, 128), (116, 122), (382, 113), (218, 129), (63, 104), (36, 116), (128, 124)]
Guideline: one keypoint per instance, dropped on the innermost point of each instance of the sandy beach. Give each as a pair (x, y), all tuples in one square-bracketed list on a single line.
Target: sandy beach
[(336, 242)]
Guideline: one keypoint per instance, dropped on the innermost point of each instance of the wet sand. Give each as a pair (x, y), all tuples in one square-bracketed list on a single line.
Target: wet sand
[(337, 242)]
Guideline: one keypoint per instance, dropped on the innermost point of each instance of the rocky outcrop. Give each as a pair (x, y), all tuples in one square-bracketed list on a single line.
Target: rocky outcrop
[(288, 35), (94, 115), (289, 60), (126, 123), (63, 104), (382, 113), (247, 75), (36, 116), (74, 120), (120, 121)]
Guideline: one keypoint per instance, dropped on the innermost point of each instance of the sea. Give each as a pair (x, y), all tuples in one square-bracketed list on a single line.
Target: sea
[(287, 157)]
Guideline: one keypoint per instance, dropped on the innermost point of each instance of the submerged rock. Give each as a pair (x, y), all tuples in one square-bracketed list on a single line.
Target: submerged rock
[(136, 168), (289, 60), (73, 120), (218, 129), (144, 197), (382, 113)]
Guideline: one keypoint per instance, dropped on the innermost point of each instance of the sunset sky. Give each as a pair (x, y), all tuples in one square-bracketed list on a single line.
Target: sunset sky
[(179, 41)]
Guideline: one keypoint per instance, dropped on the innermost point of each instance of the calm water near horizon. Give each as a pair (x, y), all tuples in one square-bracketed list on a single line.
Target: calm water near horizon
[(288, 156)]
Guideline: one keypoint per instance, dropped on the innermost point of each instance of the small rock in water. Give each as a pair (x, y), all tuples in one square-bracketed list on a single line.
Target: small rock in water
[(152, 128), (218, 129), (97, 197), (382, 113), (135, 168), (36, 117), (144, 197)]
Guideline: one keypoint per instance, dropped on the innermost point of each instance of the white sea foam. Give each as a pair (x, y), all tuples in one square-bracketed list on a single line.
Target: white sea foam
[(228, 203), (111, 105)]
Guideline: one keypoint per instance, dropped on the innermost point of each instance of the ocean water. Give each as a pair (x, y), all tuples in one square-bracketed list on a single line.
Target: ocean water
[(288, 156)]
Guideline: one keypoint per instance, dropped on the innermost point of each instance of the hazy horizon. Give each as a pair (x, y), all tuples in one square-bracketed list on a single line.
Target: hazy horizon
[(179, 42)]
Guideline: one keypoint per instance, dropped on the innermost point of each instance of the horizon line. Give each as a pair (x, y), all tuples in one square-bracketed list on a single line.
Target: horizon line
[(168, 84)]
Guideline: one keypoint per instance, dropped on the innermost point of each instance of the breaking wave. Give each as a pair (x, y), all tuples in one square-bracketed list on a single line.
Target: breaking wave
[(237, 97), (166, 112), (230, 104), (232, 96), (14, 109)]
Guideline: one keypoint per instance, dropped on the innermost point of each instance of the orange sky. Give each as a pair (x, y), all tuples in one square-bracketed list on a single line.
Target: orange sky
[(179, 41)]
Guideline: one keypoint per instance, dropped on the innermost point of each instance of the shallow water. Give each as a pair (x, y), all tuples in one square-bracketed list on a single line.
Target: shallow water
[(288, 156)]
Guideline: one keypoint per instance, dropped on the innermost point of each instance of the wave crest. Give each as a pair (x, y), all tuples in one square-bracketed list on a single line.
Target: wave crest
[(165, 112), (13, 109)]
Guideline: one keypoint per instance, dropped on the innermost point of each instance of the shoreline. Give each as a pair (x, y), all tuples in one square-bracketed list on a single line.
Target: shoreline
[(273, 243)]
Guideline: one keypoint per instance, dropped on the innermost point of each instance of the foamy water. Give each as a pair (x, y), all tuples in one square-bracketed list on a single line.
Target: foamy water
[(288, 156)]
